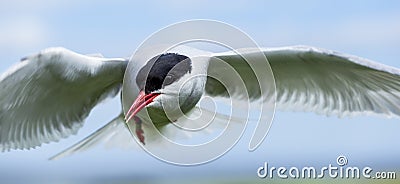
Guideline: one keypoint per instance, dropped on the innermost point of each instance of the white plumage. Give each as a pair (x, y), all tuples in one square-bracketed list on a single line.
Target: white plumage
[(324, 81), (47, 96)]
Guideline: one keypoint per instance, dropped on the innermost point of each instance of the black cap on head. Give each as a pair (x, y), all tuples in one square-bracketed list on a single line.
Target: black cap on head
[(162, 70)]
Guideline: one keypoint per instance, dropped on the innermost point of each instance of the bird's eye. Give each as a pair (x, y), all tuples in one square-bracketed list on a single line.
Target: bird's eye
[(168, 80)]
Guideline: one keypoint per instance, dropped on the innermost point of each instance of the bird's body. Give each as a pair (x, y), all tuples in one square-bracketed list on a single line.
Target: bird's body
[(46, 97)]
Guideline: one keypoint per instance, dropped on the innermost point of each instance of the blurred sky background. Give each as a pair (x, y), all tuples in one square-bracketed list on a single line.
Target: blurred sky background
[(370, 29)]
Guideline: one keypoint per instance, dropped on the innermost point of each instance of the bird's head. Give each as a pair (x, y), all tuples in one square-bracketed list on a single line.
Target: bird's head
[(167, 82)]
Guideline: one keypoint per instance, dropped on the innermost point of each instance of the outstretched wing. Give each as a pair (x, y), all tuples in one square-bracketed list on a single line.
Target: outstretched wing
[(318, 80), (47, 96)]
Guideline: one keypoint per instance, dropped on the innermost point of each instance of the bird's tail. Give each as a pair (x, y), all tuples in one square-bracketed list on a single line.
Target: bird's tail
[(116, 133), (115, 129)]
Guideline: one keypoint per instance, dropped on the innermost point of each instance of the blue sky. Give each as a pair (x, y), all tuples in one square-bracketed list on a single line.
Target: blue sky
[(368, 29)]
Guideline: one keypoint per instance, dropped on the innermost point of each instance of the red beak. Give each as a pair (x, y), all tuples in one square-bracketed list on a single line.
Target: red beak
[(141, 101)]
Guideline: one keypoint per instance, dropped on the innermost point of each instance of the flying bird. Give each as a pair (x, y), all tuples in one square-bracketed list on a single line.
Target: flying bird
[(47, 96)]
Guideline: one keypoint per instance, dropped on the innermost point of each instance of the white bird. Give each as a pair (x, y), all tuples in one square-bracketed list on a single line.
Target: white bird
[(47, 96)]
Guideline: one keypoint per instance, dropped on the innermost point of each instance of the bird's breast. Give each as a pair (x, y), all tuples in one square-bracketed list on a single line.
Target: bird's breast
[(175, 103)]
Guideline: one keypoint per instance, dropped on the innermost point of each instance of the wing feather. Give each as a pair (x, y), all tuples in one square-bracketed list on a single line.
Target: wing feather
[(47, 96), (114, 133), (319, 80)]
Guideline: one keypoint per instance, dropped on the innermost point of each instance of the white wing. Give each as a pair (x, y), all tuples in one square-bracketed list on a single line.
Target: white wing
[(318, 80), (46, 97)]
